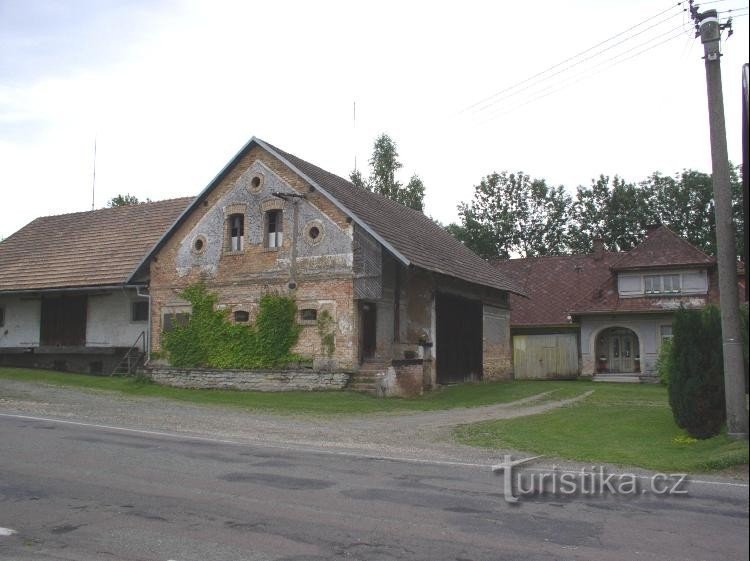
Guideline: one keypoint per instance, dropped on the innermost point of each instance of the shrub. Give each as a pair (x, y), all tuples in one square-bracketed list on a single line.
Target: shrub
[(696, 374), (209, 339), (664, 361)]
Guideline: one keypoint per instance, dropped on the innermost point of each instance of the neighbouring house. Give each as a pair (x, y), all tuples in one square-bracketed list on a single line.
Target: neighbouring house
[(411, 306), (69, 299), (605, 314)]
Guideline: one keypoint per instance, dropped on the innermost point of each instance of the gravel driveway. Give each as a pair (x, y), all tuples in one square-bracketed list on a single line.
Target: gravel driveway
[(415, 435)]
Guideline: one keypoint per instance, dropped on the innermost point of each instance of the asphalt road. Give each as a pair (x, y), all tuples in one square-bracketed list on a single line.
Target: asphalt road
[(82, 492)]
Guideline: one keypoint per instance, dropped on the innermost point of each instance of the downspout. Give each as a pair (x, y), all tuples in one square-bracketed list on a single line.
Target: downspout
[(147, 342), (295, 233)]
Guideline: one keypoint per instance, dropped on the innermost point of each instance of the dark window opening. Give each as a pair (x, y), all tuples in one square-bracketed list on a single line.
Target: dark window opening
[(241, 316), (255, 182), (396, 305), (139, 311), (274, 228), (236, 231), (198, 245), (314, 233), (309, 314), (2, 317), (170, 321)]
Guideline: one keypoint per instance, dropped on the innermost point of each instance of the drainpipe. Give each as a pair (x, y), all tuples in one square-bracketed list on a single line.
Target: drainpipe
[(295, 232), (147, 342)]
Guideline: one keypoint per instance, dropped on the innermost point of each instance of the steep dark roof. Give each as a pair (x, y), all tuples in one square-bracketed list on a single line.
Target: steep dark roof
[(552, 284), (414, 236), (95, 248), (663, 248)]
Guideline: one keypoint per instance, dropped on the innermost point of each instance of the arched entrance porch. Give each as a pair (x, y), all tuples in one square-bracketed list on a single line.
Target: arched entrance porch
[(618, 351)]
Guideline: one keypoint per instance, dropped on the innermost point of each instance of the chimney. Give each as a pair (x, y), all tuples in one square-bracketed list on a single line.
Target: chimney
[(598, 245)]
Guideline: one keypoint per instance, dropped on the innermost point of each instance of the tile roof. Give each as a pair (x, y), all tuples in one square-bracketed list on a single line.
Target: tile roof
[(95, 248), (553, 283), (605, 299), (415, 236), (663, 248)]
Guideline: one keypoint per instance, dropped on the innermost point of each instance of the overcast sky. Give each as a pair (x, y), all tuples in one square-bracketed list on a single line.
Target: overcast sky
[(171, 91)]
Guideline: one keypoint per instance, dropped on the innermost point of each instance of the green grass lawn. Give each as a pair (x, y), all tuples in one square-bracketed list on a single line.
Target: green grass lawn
[(627, 424), (303, 402)]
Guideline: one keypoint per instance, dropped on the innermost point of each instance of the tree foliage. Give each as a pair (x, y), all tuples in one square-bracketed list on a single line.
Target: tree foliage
[(124, 200), (696, 372), (513, 215), (209, 339), (384, 165)]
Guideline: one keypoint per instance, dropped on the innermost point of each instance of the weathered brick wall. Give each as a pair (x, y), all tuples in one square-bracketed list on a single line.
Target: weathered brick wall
[(255, 380), (324, 273)]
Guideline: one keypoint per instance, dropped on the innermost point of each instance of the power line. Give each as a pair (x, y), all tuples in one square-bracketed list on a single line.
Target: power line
[(571, 58), (588, 73)]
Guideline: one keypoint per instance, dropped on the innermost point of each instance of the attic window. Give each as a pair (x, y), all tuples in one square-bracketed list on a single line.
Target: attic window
[(236, 231), (308, 314), (274, 228), (241, 316), (256, 184), (314, 232), (661, 284), (199, 244)]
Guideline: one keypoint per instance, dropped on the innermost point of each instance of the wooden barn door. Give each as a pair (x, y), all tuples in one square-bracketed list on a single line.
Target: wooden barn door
[(458, 339), (63, 322)]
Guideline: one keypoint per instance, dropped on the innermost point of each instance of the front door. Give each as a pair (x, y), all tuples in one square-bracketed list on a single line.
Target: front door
[(622, 353), (368, 331)]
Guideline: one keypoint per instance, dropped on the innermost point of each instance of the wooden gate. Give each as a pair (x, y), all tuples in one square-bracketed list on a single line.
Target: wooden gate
[(458, 339), (545, 356)]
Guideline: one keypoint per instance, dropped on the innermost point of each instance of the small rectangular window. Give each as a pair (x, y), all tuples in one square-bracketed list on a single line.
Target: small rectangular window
[(274, 228), (666, 332), (236, 231), (671, 283), (308, 314), (139, 311), (241, 316), (652, 284), (170, 321), (2, 317)]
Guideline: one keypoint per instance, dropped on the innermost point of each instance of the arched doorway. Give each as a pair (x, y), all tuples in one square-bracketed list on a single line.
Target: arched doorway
[(618, 350)]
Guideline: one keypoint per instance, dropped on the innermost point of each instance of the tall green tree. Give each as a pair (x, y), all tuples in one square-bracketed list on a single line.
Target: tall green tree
[(512, 214), (612, 210), (384, 165)]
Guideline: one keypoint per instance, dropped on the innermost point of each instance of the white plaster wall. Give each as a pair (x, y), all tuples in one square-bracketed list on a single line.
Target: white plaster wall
[(21, 327), (646, 327), (109, 320)]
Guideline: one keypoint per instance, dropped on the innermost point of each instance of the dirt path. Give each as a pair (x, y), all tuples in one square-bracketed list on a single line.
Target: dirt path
[(418, 434)]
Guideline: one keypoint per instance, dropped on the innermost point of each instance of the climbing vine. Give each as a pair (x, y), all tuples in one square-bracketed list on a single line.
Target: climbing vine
[(326, 333), (210, 339)]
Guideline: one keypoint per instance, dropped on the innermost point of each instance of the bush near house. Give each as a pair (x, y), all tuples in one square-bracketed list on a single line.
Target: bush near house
[(664, 361), (209, 339), (696, 372)]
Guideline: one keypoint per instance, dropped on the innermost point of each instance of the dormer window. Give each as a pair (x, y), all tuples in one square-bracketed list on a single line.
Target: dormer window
[(661, 284), (236, 231), (274, 228)]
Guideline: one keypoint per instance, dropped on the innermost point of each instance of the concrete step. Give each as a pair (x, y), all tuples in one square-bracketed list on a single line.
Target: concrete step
[(617, 378)]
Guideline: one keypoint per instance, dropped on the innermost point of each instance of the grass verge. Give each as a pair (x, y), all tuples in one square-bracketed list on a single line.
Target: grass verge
[(626, 424), (303, 402)]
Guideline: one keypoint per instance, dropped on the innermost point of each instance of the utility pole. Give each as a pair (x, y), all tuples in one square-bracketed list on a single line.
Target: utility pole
[(709, 29)]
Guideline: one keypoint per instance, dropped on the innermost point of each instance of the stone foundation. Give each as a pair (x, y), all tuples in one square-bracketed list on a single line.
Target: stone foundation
[(249, 380)]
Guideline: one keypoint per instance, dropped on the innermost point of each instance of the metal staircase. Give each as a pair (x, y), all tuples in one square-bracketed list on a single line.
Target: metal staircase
[(133, 357)]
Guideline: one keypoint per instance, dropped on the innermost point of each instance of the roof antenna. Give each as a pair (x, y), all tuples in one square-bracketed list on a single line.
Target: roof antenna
[(93, 181), (355, 135)]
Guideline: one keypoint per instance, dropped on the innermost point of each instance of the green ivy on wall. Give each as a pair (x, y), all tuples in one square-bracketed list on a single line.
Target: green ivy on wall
[(210, 339)]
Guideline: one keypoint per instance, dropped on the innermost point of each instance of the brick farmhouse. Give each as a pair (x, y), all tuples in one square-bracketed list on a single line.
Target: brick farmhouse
[(411, 306)]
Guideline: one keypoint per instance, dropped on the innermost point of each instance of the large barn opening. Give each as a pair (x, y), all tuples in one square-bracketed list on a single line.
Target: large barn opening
[(458, 339), (63, 322)]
